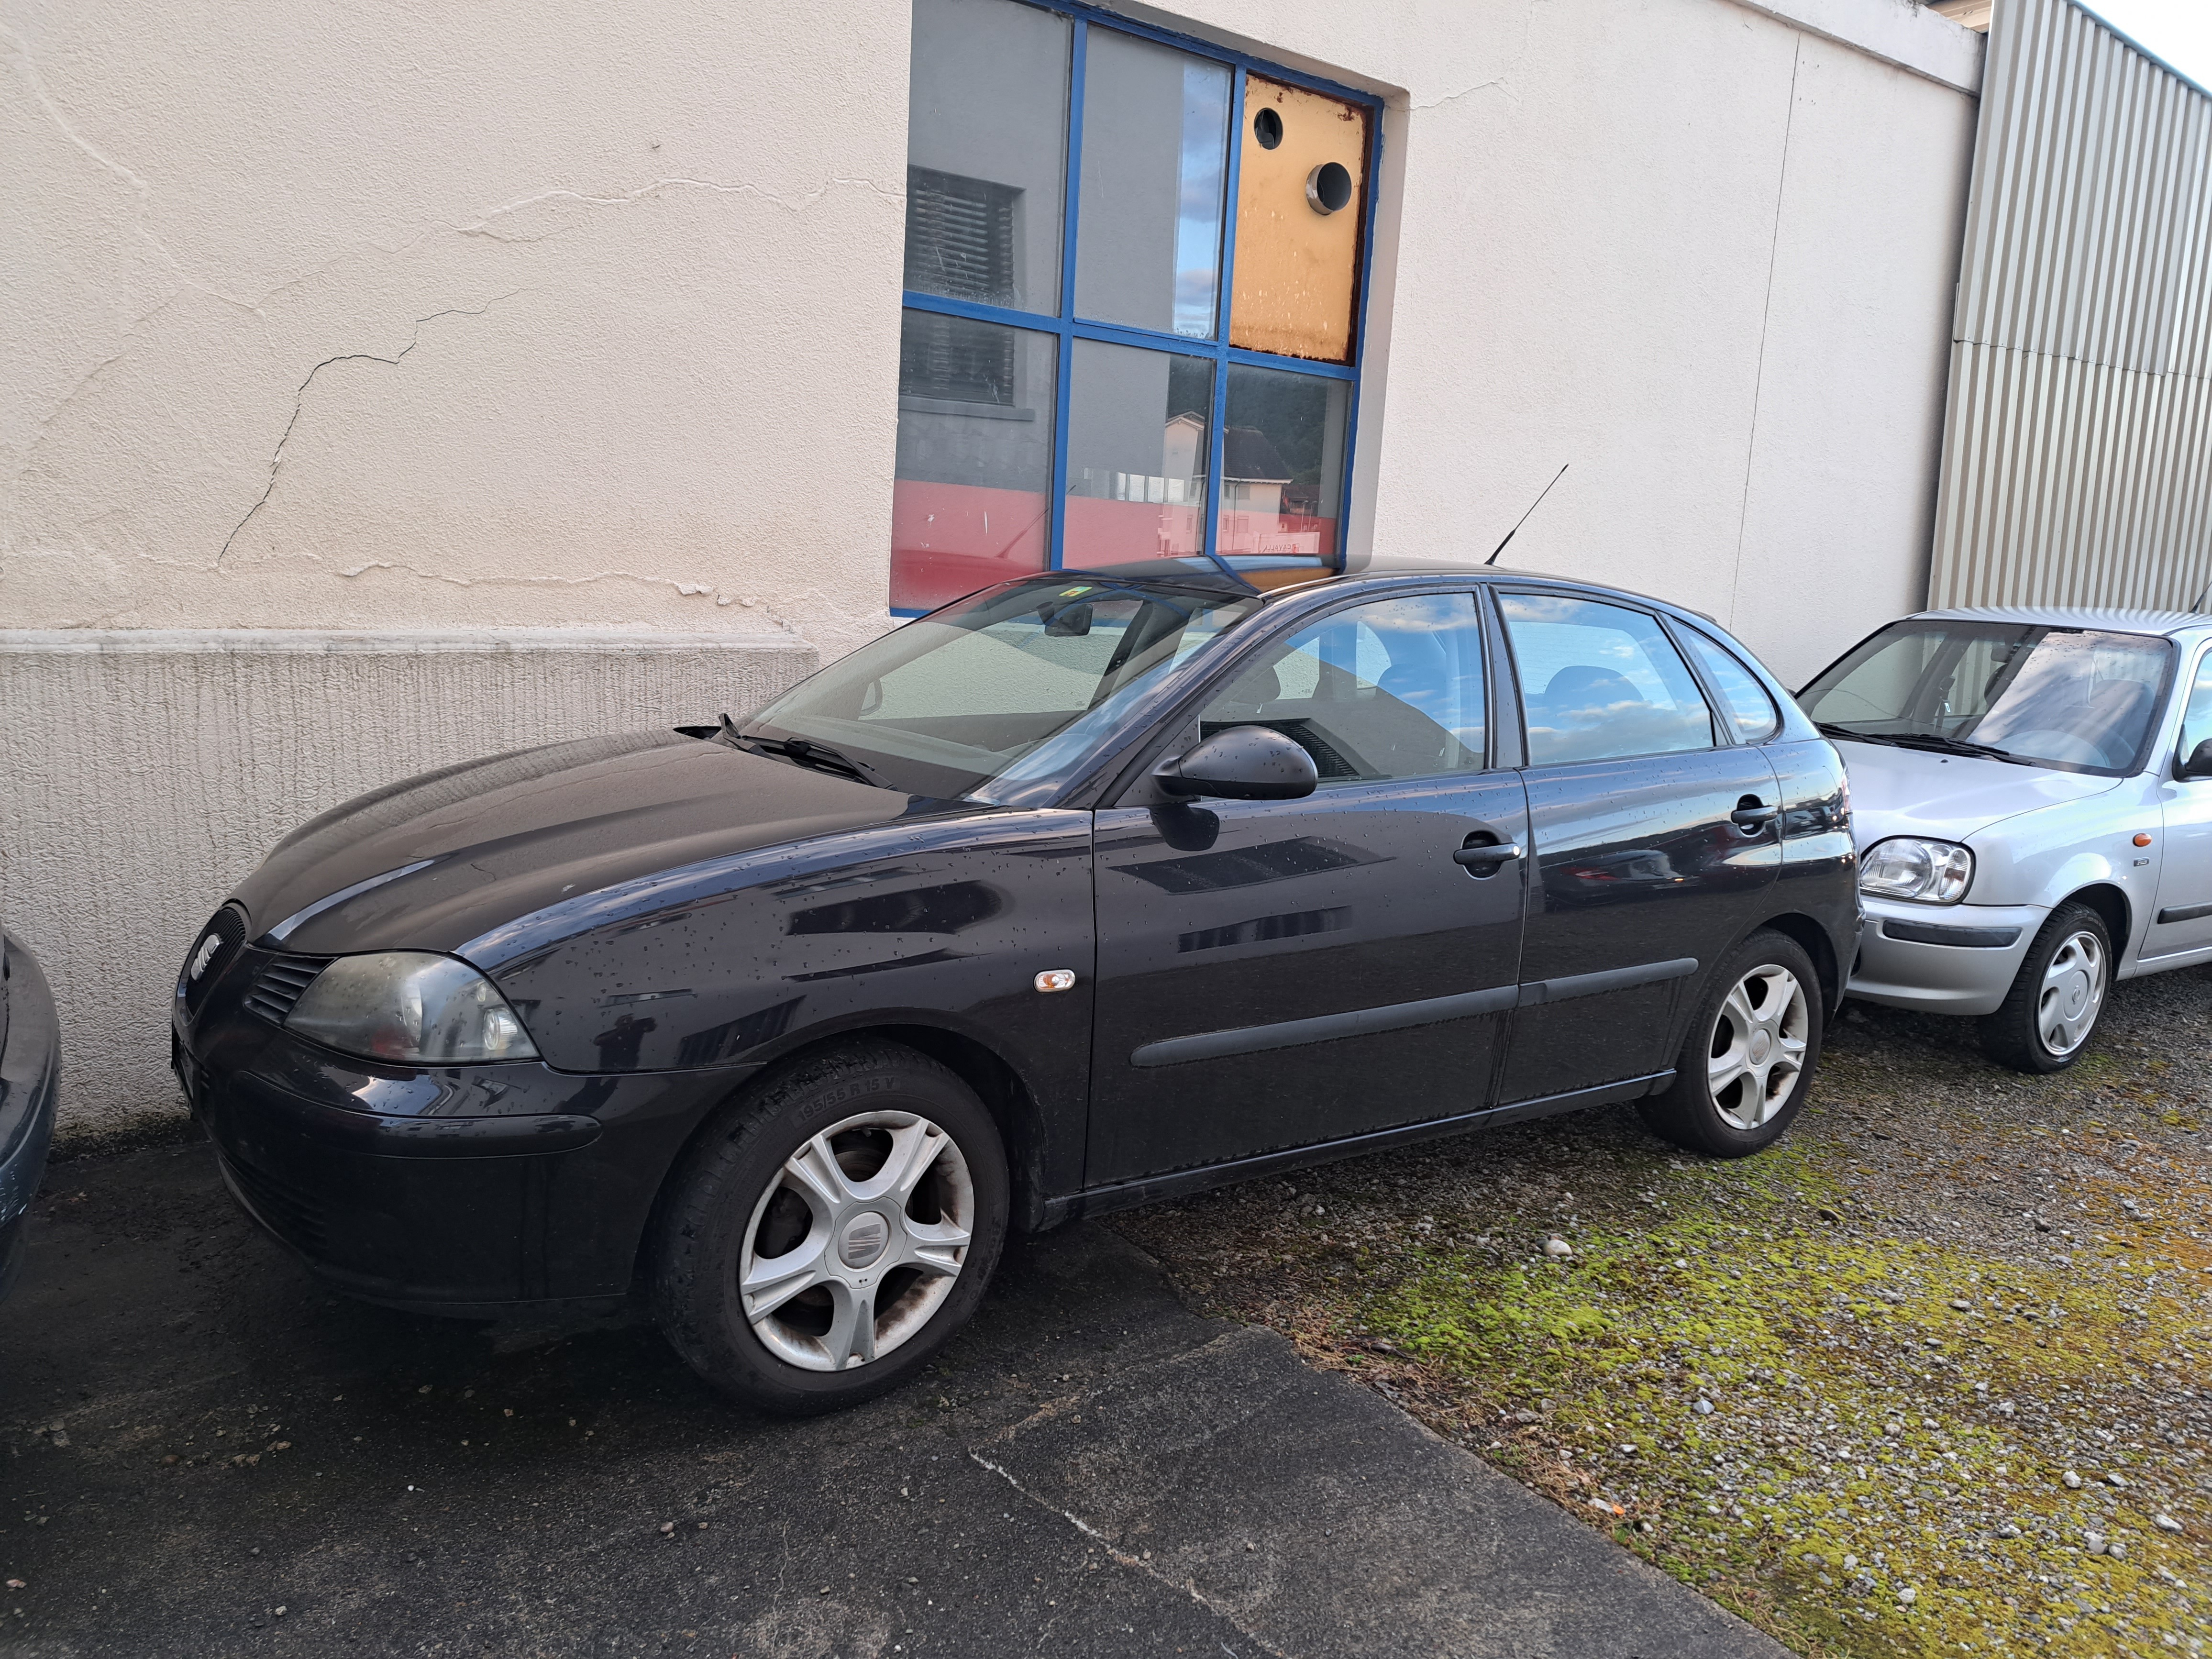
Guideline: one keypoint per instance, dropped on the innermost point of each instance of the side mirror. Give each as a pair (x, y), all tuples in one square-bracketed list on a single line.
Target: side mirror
[(1245, 762), (2199, 764)]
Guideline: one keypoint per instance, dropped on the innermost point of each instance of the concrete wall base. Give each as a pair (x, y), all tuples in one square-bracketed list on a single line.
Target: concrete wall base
[(147, 771)]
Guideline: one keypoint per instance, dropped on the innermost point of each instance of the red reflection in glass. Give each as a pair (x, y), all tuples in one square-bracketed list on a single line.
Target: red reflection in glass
[(1102, 533), (948, 540)]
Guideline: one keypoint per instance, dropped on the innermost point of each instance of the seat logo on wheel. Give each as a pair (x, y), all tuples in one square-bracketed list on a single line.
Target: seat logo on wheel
[(865, 1235)]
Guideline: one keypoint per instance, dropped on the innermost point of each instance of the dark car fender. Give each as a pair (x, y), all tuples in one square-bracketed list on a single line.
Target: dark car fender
[(932, 932)]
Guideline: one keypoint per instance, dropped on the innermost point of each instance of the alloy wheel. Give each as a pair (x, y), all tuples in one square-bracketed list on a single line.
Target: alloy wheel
[(857, 1242), (2073, 991), (1758, 1048)]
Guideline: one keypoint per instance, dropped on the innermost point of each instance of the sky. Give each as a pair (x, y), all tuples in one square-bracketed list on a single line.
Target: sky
[(2179, 31)]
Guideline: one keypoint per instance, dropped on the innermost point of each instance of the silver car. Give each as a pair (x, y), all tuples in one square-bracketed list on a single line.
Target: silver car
[(2032, 796)]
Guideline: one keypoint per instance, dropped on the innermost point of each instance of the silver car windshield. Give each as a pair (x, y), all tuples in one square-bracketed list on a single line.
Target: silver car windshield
[(2073, 699), (1002, 697)]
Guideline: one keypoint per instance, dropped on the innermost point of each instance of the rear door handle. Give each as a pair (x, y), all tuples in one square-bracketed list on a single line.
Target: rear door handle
[(1749, 818), (1497, 852)]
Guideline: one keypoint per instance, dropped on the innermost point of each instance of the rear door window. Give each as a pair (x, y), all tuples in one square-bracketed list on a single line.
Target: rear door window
[(1746, 709), (1599, 682)]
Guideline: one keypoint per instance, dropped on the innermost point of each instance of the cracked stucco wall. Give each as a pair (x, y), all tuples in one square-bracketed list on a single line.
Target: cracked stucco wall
[(487, 316)]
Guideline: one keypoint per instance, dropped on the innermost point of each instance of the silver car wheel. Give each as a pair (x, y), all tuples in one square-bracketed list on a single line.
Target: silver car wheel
[(1757, 1051), (857, 1242), (2073, 991)]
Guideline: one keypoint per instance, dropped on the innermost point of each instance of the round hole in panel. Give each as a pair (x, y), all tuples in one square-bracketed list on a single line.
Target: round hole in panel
[(1267, 128), (1329, 187)]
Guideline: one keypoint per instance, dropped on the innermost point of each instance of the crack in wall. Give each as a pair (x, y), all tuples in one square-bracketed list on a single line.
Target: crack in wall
[(300, 399), (1520, 51), (27, 71), (1766, 313), (484, 226)]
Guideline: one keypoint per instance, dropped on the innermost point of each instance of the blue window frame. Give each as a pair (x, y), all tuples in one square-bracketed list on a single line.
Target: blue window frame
[(1015, 334)]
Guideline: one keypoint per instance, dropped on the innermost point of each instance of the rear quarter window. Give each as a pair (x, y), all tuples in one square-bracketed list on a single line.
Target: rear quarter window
[(1746, 712)]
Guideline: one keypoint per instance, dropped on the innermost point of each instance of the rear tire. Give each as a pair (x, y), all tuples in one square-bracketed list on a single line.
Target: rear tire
[(829, 1232), (1741, 1076), (2047, 1018)]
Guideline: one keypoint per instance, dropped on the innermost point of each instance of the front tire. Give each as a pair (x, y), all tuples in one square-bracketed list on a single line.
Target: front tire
[(829, 1233), (2047, 1018), (1747, 1061)]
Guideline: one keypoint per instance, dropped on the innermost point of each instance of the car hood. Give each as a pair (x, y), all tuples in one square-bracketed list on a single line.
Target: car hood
[(434, 862), (1916, 792)]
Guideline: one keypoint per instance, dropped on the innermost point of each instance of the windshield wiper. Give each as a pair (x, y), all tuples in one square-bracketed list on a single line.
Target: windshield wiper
[(1942, 745), (1830, 729), (804, 751)]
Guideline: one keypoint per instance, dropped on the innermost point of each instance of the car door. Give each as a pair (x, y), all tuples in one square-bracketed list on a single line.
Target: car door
[(1653, 847), (2182, 921), (1276, 974)]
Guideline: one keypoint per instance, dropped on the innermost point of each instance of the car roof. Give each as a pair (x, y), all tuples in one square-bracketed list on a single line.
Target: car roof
[(2106, 618), (1287, 580)]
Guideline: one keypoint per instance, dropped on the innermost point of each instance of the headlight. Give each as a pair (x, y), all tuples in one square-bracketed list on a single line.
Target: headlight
[(411, 1007), (1907, 867)]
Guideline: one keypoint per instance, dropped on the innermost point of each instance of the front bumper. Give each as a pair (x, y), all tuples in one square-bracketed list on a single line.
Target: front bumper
[(1942, 959), (30, 1066), (463, 1190)]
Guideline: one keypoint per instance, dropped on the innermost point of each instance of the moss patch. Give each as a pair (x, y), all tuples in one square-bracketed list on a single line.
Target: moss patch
[(1838, 1387)]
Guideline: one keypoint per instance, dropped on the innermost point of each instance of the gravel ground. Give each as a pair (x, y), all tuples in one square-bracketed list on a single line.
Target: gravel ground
[(1933, 1376)]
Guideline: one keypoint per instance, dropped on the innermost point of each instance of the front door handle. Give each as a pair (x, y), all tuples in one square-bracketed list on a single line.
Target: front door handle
[(1488, 857)]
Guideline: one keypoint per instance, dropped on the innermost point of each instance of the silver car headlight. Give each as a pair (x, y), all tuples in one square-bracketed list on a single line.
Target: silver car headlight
[(411, 1007), (1907, 867)]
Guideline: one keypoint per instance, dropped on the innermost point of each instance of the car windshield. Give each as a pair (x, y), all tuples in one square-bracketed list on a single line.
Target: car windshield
[(1001, 697), (2073, 699)]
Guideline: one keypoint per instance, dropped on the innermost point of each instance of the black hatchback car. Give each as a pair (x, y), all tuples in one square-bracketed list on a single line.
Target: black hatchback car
[(1086, 891)]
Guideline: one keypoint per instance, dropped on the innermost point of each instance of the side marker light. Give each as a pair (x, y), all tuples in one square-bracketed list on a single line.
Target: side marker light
[(2142, 838), (1056, 979)]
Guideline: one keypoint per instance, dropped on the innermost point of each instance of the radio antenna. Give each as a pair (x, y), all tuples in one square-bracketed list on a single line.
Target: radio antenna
[(1525, 517)]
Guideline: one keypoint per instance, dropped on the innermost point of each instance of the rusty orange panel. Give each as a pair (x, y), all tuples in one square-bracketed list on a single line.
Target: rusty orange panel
[(1298, 222)]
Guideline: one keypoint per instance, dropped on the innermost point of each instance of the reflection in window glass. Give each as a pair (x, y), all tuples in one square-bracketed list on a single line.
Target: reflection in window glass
[(985, 131), (1010, 691), (972, 501), (1137, 453), (1751, 712), (2196, 716), (2076, 699), (1154, 151), (1389, 690), (1282, 454), (1599, 681)]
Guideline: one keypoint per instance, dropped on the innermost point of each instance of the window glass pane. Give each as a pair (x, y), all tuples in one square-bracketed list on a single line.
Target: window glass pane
[(1749, 711), (1001, 698), (2076, 699), (2196, 717), (1599, 681), (987, 129), (1155, 148), (1282, 455), (1137, 451), (971, 505), (1390, 690)]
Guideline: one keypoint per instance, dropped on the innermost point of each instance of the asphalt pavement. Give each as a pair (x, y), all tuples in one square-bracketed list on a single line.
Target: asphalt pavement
[(202, 1451)]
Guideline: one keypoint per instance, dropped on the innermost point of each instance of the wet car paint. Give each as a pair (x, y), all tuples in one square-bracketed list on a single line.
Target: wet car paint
[(671, 916)]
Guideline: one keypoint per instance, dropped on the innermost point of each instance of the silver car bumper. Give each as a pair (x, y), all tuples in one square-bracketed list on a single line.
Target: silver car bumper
[(1942, 959)]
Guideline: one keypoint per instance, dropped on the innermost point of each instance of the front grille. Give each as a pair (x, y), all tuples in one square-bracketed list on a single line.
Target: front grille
[(278, 986), (212, 949), (288, 1212)]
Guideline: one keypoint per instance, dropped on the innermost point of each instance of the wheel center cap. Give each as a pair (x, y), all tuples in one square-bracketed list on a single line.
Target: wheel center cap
[(865, 1235), (1759, 1046)]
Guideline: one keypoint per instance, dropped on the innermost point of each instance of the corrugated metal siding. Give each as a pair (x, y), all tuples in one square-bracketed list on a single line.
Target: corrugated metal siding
[(2077, 447)]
